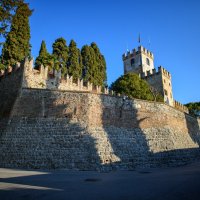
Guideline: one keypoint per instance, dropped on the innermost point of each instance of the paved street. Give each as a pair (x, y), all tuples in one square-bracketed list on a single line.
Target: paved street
[(172, 183)]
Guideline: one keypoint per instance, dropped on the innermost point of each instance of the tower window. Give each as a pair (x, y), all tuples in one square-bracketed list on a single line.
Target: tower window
[(132, 61), (147, 61), (166, 93)]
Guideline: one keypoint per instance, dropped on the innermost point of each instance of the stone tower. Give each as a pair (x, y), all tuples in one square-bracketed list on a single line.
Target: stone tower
[(141, 61)]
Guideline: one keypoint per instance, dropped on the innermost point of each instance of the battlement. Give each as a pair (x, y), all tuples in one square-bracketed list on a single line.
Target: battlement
[(180, 107), (45, 79), (164, 71), (153, 72), (52, 80), (149, 73), (139, 50)]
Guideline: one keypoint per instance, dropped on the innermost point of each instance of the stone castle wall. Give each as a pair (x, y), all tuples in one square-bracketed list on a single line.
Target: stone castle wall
[(161, 81), (80, 130), (55, 128), (10, 85), (43, 79)]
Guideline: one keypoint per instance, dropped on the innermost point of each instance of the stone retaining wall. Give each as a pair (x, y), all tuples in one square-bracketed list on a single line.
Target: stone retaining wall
[(77, 130)]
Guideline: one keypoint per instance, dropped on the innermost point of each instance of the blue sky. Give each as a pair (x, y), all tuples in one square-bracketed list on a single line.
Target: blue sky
[(173, 27)]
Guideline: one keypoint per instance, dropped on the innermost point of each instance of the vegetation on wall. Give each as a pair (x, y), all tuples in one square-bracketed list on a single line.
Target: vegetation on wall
[(133, 86), (17, 45), (194, 108)]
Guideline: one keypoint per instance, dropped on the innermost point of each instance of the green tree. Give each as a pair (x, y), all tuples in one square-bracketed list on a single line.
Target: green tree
[(89, 63), (7, 10), (74, 61), (44, 57), (2, 67), (60, 54), (17, 45), (80, 60), (100, 66), (131, 85), (194, 108)]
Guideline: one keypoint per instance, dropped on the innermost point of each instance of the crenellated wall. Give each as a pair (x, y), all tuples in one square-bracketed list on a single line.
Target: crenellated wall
[(136, 60), (141, 62), (139, 50), (161, 80), (43, 79), (67, 124)]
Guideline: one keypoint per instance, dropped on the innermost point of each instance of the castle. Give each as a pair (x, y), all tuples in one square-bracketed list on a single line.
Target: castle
[(47, 121), (141, 61)]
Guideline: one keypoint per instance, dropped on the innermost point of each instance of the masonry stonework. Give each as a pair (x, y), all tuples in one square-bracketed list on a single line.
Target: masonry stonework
[(89, 130)]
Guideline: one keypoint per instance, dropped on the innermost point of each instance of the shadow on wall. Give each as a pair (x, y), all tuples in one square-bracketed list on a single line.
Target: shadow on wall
[(137, 146), (10, 85), (49, 130), (60, 129), (122, 128), (193, 126)]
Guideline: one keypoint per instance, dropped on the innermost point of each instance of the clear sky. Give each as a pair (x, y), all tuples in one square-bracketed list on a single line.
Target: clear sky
[(173, 27)]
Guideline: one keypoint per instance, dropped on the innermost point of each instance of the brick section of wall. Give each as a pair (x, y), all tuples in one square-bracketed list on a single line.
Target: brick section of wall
[(54, 129)]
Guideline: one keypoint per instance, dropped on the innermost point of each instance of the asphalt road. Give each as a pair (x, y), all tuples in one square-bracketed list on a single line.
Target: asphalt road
[(179, 183)]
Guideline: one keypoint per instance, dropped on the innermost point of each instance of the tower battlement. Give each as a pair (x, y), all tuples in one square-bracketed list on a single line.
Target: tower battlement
[(149, 73), (136, 51), (164, 71), (153, 72)]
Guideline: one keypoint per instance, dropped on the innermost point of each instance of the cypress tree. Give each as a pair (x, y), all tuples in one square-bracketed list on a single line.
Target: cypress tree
[(88, 59), (73, 64), (2, 67), (100, 66), (7, 10), (17, 45), (80, 60), (104, 73), (60, 54), (44, 56)]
